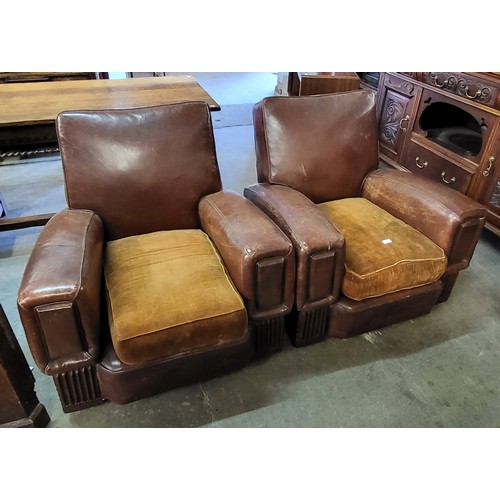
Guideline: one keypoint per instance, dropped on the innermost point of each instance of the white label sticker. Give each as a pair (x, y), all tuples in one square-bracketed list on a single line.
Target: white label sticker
[(387, 241)]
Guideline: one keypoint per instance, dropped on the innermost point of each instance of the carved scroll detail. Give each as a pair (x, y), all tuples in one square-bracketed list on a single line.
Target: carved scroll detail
[(393, 113), (404, 87), (467, 87)]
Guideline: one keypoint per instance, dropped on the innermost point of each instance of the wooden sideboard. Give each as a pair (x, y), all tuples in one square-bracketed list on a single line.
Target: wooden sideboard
[(445, 126)]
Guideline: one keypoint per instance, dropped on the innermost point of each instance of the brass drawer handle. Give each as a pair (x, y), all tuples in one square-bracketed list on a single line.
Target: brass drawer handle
[(440, 85), (405, 119), (477, 94), (420, 165), (486, 172), (445, 180)]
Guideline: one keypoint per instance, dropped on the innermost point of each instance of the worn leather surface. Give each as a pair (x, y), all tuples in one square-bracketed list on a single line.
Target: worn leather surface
[(123, 383), (350, 317), (323, 146), (450, 219), (258, 256), (141, 170), (60, 292), (319, 246)]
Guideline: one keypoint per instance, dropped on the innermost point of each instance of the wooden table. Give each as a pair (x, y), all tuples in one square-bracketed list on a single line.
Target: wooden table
[(32, 108), (41, 102)]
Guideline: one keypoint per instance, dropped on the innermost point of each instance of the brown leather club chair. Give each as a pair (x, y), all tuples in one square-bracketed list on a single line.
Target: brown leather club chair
[(153, 277), (373, 246)]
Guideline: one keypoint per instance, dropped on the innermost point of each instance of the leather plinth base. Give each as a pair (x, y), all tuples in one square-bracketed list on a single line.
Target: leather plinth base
[(123, 384), (349, 317), (308, 326), (268, 335)]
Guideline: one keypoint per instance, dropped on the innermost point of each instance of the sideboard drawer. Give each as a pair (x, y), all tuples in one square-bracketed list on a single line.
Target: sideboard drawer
[(473, 88), (421, 161)]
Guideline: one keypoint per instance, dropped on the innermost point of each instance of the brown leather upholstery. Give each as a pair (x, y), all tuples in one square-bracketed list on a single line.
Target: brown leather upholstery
[(60, 292), (309, 143), (138, 174), (316, 149), (136, 155)]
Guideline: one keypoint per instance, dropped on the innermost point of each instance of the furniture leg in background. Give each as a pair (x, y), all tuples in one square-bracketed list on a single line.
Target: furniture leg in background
[(19, 405)]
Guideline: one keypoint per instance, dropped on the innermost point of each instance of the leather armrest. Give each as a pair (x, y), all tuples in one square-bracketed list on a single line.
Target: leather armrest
[(450, 219), (319, 245), (257, 255), (59, 297)]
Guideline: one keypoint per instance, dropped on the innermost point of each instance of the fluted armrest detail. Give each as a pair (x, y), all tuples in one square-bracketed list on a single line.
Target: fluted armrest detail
[(256, 253), (450, 219), (60, 293), (318, 244)]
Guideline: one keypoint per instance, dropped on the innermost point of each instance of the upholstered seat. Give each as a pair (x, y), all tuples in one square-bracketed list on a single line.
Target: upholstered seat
[(393, 241), (187, 301), (383, 254)]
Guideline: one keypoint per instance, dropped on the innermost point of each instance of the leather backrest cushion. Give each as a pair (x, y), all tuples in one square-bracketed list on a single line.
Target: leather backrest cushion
[(141, 170), (323, 145)]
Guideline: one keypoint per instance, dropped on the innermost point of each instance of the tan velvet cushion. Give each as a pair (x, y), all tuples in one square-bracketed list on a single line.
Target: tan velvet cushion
[(169, 294), (383, 254)]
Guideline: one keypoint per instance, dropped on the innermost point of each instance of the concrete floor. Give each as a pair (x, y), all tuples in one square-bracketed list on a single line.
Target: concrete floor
[(440, 370)]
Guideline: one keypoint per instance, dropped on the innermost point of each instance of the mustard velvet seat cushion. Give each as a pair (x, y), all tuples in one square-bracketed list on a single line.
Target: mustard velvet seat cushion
[(168, 294), (383, 254)]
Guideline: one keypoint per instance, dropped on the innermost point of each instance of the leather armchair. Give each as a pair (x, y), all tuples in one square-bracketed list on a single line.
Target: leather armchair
[(319, 180), (153, 277)]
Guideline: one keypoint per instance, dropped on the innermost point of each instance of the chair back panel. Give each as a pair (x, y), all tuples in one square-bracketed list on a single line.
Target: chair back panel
[(322, 146), (141, 170)]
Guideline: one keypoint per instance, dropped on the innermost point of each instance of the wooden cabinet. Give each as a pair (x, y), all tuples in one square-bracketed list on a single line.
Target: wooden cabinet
[(396, 106), (321, 83), (444, 126)]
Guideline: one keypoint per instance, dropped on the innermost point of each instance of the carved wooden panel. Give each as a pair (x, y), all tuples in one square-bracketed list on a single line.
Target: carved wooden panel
[(393, 122), (460, 84), (392, 114), (403, 87)]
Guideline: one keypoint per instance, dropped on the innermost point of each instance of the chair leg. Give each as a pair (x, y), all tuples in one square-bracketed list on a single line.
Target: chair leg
[(308, 326), (78, 389), (268, 335), (448, 281)]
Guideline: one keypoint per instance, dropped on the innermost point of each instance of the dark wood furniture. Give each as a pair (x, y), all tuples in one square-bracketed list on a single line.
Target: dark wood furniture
[(27, 104), (19, 405), (445, 126), (33, 107), (313, 83), (46, 77)]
